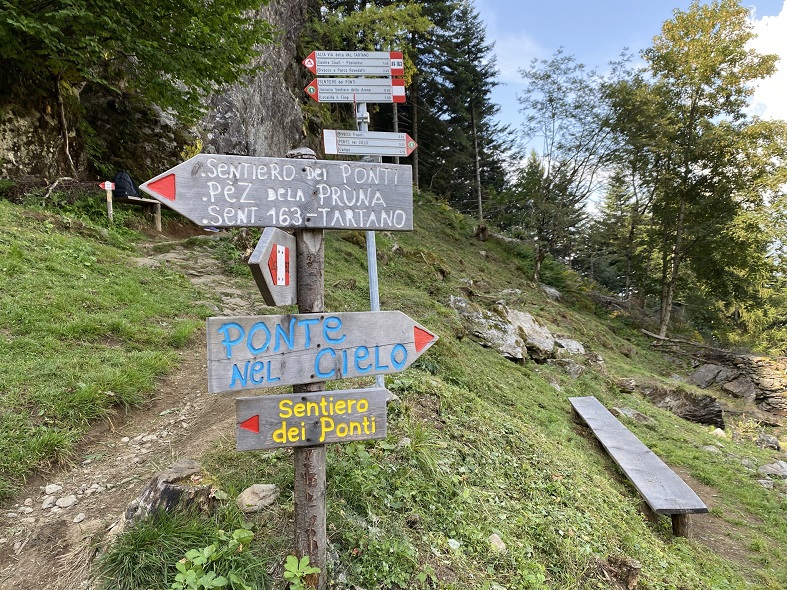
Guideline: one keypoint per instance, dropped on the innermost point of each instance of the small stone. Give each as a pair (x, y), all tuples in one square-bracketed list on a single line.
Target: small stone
[(11, 515), (52, 488), (79, 517), (778, 470), (711, 449), (496, 543), (67, 501), (720, 433), (48, 502), (28, 501), (25, 510), (28, 520), (454, 544), (149, 438), (256, 497), (3, 540), (766, 483), (125, 439)]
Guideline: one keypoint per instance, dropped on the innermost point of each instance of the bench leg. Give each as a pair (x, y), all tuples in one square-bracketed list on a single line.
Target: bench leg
[(681, 525), (158, 216)]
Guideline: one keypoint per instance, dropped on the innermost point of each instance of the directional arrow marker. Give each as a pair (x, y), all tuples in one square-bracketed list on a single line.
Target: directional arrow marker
[(357, 90), (267, 351), (310, 419), (243, 191), (163, 187), (251, 424), (355, 63), (367, 143)]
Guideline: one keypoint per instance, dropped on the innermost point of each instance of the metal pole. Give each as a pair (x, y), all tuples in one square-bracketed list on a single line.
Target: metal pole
[(362, 117)]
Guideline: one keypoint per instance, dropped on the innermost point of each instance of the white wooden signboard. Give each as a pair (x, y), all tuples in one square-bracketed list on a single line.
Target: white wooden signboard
[(245, 191)]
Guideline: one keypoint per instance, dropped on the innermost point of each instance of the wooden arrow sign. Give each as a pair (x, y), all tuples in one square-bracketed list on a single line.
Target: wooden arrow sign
[(367, 143), (243, 191), (273, 266), (267, 351), (355, 63), (309, 419)]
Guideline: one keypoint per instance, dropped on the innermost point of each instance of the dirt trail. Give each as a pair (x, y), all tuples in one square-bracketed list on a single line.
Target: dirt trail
[(45, 534)]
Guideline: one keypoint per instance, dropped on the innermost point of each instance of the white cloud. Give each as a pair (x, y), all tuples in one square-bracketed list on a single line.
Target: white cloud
[(770, 97)]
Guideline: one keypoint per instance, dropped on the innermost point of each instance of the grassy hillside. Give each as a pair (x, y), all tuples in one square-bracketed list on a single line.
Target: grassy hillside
[(477, 446)]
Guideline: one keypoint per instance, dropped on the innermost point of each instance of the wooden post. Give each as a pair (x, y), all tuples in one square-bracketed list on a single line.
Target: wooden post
[(681, 525), (109, 204), (309, 485)]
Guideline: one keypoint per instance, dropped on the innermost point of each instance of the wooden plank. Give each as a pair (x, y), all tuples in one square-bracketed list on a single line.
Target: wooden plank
[(242, 191), (251, 352), (662, 488), (308, 419)]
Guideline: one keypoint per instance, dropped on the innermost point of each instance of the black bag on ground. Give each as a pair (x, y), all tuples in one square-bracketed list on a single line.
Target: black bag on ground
[(124, 186)]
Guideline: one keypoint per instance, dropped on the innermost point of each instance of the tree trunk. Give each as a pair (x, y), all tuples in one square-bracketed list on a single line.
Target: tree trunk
[(541, 254), (477, 160), (670, 272), (61, 112)]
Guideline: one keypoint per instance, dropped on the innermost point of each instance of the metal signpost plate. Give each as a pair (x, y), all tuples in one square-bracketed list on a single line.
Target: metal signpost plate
[(367, 143), (307, 419), (355, 63), (244, 191), (273, 266), (252, 352), (357, 90)]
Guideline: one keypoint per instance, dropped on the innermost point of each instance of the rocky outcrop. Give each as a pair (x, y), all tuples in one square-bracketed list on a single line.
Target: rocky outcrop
[(756, 379), (702, 409), (515, 334), (262, 116)]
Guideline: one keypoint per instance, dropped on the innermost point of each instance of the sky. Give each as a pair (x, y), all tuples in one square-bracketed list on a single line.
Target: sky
[(596, 33)]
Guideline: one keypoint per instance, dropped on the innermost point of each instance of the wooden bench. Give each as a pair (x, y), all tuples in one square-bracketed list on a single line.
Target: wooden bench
[(663, 490), (150, 207)]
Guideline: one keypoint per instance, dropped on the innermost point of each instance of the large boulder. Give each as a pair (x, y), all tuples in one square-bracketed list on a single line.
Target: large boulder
[(702, 409), (490, 330), (539, 340)]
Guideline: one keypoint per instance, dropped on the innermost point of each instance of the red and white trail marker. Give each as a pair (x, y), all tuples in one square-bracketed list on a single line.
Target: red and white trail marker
[(107, 185), (272, 265)]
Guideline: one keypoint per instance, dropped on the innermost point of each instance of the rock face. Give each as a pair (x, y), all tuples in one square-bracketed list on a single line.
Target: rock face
[(263, 116), (703, 409), (29, 143), (756, 379)]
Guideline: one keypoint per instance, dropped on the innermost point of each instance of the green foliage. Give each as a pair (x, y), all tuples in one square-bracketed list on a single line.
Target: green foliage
[(173, 53), (83, 330), (159, 552), (198, 568), (296, 571)]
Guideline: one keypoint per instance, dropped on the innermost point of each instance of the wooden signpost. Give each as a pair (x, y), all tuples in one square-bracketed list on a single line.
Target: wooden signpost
[(367, 143), (272, 265), (306, 349), (268, 351), (243, 191)]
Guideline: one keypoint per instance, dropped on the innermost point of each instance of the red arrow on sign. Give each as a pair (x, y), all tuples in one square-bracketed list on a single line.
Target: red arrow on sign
[(164, 187), (422, 338), (252, 424)]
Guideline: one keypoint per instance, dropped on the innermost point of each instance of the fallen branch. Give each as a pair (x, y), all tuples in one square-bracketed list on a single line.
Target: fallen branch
[(681, 341), (54, 184)]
